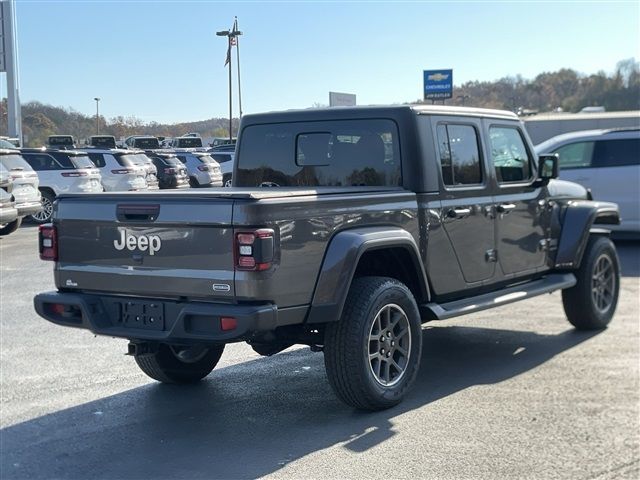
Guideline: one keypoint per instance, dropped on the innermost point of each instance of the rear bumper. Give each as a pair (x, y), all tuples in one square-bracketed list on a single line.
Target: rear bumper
[(28, 208), (154, 319), (8, 214)]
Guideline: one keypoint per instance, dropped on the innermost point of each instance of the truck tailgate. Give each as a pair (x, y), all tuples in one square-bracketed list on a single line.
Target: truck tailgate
[(141, 244)]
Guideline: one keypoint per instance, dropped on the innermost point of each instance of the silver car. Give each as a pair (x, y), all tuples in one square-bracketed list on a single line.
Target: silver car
[(28, 200), (608, 163), (9, 220), (202, 169)]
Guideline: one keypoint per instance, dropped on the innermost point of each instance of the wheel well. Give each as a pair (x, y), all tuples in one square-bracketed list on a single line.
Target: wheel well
[(48, 190), (395, 262)]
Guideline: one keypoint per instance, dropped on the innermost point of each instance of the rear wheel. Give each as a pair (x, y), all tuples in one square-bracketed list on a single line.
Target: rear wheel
[(44, 215), (10, 227), (180, 364), (226, 180), (591, 303), (372, 354)]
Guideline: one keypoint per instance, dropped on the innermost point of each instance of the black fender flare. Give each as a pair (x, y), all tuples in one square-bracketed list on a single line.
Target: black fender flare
[(341, 260), (577, 224)]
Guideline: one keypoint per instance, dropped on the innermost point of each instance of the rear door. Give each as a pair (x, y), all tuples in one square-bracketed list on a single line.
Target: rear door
[(520, 206), (146, 245), (467, 203)]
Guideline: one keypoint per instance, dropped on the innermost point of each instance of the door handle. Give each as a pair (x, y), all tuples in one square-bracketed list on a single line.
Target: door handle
[(459, 212), (505, 207)]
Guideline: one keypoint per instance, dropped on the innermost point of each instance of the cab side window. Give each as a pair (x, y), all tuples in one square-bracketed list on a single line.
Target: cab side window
[(509, 154), (459, 155)]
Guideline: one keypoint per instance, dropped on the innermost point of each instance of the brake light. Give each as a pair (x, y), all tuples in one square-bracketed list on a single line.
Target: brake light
[(254, 250), (75, 174), (228, 323), (123, 171), (170, 171), (48, 242)]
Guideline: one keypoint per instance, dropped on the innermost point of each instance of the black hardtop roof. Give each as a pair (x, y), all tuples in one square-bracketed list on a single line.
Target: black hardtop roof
[(374, 111)]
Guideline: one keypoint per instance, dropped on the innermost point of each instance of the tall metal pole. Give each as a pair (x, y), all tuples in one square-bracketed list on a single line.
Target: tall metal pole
[(97, 116), (10, 65), (237, 34), (230, 94)]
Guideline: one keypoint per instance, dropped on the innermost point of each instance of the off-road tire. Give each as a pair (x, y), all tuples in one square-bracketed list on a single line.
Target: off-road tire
[(10, 227), (164, 366), (47, 201), (347, 344), (580, 304)]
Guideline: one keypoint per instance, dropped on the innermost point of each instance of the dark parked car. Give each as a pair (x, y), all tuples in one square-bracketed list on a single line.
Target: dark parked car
[(374, 221), (171, 171)]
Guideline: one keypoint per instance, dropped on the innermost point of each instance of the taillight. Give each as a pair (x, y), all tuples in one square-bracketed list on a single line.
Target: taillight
[(170, 171), (254, 249), (123, 171), (75, 174), (203, 168), (48, 242)]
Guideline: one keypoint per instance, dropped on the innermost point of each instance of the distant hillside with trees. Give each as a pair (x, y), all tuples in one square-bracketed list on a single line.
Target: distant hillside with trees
[(565, 89)]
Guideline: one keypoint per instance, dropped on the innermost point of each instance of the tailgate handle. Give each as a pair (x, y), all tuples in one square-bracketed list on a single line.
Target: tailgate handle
[(145, 213)]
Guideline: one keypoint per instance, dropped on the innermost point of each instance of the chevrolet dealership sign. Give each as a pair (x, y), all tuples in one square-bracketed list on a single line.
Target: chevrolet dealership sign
[(438, 84)]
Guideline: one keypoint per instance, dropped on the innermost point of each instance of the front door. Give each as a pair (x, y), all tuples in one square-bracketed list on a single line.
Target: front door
[(520, 207)]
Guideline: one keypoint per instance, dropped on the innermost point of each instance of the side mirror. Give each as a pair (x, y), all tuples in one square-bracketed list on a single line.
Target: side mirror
[(547, 166)]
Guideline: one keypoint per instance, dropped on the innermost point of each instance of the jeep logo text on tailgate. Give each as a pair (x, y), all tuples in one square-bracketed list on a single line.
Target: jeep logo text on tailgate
[(143, 242)]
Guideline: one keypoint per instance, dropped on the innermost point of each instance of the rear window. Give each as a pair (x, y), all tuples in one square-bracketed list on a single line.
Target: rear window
[(146, 143), (14, 162), (104, 142), (60, 141), (313, 154), (222, 158), (81, 161), (205, 158), (127, 160), (171, 161), (189, 142)]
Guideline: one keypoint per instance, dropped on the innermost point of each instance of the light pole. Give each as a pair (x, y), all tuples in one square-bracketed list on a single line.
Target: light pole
[(231, 41), (97, 116)]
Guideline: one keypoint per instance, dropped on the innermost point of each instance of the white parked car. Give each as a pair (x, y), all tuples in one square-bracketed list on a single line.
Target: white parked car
[(226, 161), (61, 171), (607, 162), (23, 182), (121, 170), (203, 170)]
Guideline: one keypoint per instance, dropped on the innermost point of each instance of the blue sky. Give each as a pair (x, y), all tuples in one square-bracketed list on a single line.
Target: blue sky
[(162, 61)]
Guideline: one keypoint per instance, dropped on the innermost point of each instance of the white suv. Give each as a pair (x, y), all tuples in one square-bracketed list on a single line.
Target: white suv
[(225, 160), (608, 163), (121, 170), (203, 170), (61, 171)]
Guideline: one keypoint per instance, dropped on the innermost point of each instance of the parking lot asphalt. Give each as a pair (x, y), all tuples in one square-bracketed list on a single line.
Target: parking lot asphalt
[(508, 393)]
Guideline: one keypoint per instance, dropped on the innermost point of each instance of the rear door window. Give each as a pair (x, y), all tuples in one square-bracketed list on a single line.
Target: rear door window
[(312, 154), (459, 155), (221, 158), (41, 161), (575, 155), (617, 153)]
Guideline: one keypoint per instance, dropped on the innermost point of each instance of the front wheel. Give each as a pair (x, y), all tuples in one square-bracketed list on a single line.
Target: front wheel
[(591, 303), (180, 364), (372, 354)]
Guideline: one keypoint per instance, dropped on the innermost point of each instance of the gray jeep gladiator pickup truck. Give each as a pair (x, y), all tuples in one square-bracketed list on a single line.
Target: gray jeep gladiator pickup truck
[(345, 230)]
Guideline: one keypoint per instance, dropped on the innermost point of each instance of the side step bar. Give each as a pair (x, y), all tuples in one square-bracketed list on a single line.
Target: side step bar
[(548, 284)]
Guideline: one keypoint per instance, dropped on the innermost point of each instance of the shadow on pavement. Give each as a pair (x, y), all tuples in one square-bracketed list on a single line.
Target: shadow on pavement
[(249, 420), (629, 253)]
